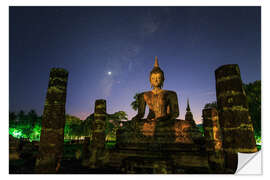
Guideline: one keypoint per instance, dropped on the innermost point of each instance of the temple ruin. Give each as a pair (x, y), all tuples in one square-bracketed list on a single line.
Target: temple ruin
[(160, 143)]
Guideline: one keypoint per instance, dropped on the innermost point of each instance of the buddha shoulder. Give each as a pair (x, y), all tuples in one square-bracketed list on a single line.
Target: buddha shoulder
[(147, 94), (163, 92)]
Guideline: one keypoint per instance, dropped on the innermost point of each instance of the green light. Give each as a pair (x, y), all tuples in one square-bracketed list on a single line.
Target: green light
[(15, 132), (258, 140)]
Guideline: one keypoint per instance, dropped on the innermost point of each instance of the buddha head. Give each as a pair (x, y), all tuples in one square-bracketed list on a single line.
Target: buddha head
[(156, 76)]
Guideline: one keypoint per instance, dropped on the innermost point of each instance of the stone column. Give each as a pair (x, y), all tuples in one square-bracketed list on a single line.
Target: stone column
[(213, 137), (235, 121), (53, 123), (98, 137)]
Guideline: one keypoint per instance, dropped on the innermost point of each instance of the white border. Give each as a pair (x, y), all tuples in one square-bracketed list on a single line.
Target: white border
[(5, 70)]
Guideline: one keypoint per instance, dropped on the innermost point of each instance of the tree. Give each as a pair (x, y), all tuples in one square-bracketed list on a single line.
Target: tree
[(87, 125), (211, 105), (35, 135), (73, 127), (26, 131), (32, 118), (253, 93), (113, 122), (135, 103), (118, 116), (22, 118), (12, 119)]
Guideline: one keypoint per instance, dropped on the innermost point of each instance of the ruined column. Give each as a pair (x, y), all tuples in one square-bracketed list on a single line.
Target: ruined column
[(213, 137), (53, 123), (98, 137), (232, 103), (235, 121)]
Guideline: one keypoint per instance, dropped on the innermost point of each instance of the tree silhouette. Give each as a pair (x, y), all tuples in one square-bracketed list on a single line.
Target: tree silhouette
[(21, 116), (73, 127), (12, 119), (88, 125), (113, 123), (253, 93), (135, 103), (32, 118), (211, 105)]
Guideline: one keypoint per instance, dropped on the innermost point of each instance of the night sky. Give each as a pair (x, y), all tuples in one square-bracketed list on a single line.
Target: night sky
[(109, 53)]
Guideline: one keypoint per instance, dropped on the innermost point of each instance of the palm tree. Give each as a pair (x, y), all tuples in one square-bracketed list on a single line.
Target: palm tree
[(135, 103)]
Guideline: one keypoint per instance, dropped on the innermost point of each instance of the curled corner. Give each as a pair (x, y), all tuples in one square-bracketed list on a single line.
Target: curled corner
[(249, 163)]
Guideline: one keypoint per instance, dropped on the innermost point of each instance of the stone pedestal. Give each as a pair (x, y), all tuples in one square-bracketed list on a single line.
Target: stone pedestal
[(53, 123), (159, 136)]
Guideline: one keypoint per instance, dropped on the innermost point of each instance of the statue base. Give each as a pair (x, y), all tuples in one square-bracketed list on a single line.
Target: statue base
[(175, 147), (160, 135)]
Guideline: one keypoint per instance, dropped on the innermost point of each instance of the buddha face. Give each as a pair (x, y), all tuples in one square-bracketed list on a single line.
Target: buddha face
[(156, 80)]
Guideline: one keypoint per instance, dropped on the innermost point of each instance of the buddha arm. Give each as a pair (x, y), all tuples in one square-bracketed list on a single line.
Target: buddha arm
[(141, 107), (173, 103)]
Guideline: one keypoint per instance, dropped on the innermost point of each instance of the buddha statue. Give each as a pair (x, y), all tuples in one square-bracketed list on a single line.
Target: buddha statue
[(163, 104), (160, 129)]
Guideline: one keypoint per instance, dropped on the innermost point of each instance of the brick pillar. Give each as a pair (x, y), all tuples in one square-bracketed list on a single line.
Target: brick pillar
[(213, 137), (98, 138), (53, 123), (235, 121)]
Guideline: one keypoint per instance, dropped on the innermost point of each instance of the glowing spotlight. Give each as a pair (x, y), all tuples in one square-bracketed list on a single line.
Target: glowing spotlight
[(109, 73)]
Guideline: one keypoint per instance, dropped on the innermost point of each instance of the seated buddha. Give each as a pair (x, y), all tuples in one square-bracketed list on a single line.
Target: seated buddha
[(161, 125), (163, 105)]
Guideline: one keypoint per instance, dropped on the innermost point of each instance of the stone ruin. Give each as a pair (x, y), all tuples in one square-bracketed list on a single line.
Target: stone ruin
[(160, 143), (97, 146), (234, 119), (53, 123)]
